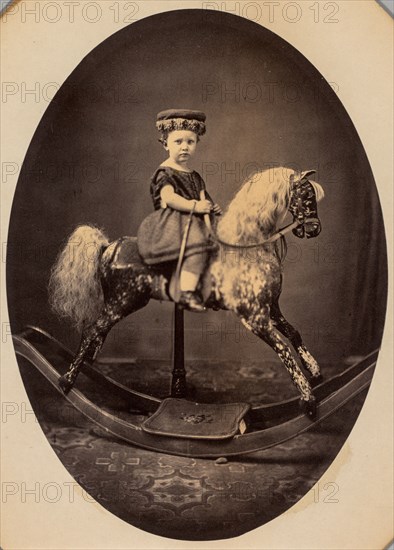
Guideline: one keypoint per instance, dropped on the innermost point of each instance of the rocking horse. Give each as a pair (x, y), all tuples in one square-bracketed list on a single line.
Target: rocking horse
[(96, 283)]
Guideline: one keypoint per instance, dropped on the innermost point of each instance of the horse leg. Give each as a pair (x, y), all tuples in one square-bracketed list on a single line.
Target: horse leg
[(92, 340), (266, 332), (307, 360)]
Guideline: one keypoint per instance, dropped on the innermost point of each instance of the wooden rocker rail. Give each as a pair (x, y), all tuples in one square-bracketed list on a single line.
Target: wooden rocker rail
[(137, 400), (147, 403), (354, 380)]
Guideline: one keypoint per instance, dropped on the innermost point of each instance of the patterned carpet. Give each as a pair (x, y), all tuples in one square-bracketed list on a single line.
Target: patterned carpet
[(186, 498)]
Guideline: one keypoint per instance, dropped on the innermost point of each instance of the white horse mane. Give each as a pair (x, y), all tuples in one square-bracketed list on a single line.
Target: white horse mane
[(259, 205)]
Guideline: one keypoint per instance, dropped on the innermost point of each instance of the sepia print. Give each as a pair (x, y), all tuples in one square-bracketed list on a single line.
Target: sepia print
[(196, 278)]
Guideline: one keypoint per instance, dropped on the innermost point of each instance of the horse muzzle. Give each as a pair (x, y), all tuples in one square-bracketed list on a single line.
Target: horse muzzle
[(309, 228)]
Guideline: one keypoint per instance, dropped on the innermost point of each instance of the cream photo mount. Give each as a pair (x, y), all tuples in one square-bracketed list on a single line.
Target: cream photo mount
[(362, 470)]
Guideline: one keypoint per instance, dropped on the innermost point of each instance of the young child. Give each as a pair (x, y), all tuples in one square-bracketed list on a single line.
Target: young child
[(176, 191)]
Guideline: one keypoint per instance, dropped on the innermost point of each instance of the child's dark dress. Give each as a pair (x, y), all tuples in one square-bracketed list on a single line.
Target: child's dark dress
[(160, 234)]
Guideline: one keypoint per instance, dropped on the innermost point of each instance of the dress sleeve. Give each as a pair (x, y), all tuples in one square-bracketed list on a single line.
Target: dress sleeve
[(163, 178), (159, 179)]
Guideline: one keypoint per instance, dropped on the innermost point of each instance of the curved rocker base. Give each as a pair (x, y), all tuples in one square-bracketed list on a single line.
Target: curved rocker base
[(330, 396)]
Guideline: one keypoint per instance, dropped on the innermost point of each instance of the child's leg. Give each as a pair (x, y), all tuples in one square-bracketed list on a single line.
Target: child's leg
[(192, 268)]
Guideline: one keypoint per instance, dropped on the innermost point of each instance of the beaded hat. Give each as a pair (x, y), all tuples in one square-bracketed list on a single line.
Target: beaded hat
[(181, 119)]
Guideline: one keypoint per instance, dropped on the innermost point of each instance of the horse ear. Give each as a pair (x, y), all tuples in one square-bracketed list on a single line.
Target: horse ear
[(307, 173), (319, 191)]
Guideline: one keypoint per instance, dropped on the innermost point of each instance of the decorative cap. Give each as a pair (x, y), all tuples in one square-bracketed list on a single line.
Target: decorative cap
[(181, 119)]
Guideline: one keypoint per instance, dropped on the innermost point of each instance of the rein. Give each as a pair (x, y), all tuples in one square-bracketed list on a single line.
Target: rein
[(279, 235), (177, 291)]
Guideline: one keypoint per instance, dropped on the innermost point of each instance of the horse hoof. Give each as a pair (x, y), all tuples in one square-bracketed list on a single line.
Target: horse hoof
[(65, 384), (316, 380), (309, 408)]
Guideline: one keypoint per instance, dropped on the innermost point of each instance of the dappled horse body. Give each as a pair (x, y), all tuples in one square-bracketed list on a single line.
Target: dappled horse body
[(98, 289)]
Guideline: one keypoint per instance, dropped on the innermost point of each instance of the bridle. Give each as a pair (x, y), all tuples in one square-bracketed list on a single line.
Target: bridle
[(298, 212), (300, 218), (278, 235)]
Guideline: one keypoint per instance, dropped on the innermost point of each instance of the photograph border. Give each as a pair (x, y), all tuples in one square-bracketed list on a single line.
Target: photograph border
[(363, 467)]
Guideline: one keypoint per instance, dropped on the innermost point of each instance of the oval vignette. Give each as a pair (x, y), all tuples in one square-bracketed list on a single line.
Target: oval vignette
[(90, 160)]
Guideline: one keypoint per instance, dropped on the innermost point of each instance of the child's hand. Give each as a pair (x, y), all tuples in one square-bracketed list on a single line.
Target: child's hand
[(203, 207), (217, 210)]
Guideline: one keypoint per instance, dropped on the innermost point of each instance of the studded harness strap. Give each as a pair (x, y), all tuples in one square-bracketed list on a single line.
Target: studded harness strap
[(300, 210)]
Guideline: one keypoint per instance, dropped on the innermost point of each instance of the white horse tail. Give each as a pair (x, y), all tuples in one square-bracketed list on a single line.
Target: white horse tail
[(74, 287)]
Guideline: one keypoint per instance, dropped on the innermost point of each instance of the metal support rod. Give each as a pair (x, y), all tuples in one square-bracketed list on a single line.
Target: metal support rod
[(178, 384)]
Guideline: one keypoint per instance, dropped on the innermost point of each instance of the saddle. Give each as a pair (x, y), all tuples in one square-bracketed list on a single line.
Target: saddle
[(126, 256)]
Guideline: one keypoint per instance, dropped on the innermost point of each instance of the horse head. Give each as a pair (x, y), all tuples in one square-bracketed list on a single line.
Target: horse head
[(304, 196), (262, 202)]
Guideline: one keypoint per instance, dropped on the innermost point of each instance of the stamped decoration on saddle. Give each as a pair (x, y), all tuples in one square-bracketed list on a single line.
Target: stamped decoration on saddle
[(185, 419)]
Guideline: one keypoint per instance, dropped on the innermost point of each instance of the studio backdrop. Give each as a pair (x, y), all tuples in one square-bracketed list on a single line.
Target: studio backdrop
[(96, 147)]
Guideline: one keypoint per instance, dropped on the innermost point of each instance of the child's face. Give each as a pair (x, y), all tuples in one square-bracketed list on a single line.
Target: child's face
[(181, 146)]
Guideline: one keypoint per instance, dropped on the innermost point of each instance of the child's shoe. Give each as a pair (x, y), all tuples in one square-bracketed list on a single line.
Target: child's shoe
[(191, 300)]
